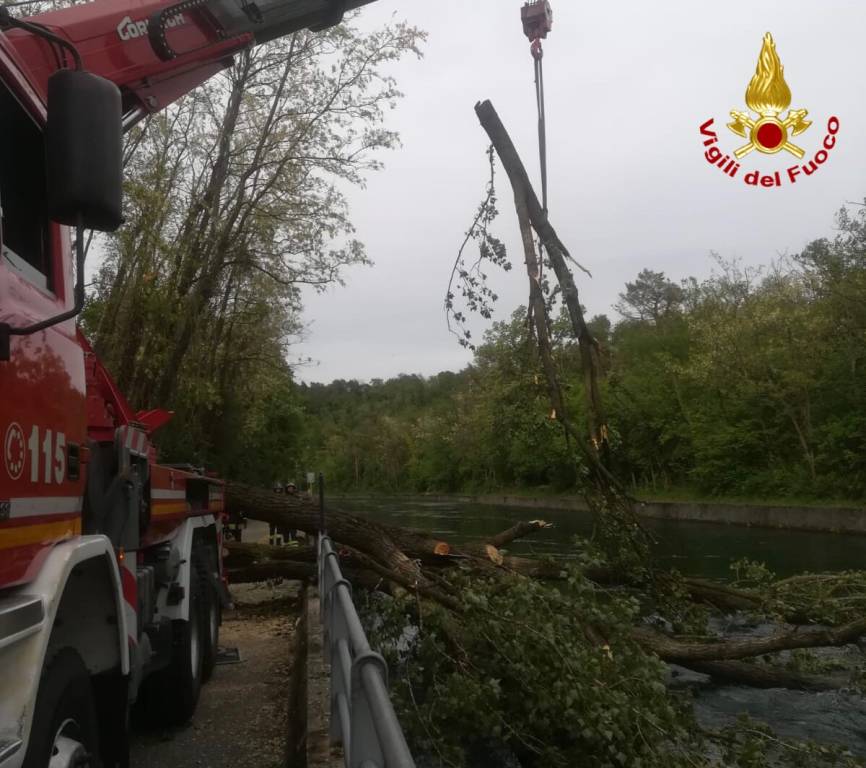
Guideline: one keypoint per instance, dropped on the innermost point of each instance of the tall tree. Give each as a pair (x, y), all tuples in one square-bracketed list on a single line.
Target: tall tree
[(235, 204), (650, 298)]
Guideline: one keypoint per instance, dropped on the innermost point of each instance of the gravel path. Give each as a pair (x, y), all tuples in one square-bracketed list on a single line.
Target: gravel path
[(242, 717)]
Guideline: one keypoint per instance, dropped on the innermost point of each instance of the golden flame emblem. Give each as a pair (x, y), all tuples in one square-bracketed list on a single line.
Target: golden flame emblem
[(769, 95)]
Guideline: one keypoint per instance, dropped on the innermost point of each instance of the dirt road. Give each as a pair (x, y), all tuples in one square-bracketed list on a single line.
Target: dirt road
[(242, 717)]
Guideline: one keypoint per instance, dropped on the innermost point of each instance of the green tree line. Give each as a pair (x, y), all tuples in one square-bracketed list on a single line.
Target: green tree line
[(749, 383)]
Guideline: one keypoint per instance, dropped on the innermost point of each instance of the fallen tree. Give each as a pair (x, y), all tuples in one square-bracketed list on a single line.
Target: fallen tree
[(671, 649), (475, 601), (764, 676), (374, 554)]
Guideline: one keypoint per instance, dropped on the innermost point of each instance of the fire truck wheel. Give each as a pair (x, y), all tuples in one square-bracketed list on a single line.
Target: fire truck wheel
[(172, 694), (64, 732), (211, 626)]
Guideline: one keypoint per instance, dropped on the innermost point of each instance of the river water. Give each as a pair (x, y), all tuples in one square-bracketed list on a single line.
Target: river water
[(696, 549)]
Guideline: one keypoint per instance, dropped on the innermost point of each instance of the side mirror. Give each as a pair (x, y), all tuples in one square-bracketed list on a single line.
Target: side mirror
[(83, 144)]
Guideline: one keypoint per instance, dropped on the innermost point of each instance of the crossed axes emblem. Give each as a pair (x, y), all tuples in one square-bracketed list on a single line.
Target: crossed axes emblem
[(795, 121)]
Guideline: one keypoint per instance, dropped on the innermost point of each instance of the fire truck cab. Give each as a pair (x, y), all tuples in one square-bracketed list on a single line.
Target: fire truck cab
[(111, 587), (110, 584)]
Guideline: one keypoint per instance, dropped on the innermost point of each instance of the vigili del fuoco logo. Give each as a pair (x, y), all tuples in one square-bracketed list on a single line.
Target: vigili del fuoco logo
[(767, 131)]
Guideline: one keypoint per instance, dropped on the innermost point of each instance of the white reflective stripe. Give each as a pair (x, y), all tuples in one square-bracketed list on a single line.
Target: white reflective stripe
[(47, 505), (134, 440), (162, 493)]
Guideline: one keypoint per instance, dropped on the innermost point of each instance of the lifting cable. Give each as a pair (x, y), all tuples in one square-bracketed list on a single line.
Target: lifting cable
[(537, 17), (538, 56)]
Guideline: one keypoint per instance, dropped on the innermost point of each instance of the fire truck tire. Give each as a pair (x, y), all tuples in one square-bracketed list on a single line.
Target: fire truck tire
[(65, 731), (171, 695), (212, 617)]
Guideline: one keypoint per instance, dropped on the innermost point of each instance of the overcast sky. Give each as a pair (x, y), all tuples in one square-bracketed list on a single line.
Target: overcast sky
[(628, 84)]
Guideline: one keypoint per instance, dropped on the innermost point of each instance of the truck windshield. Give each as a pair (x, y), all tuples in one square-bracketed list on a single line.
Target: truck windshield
[(24, 229)]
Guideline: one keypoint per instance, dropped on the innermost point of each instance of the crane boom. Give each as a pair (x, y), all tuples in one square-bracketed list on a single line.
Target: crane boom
[(156, 52)]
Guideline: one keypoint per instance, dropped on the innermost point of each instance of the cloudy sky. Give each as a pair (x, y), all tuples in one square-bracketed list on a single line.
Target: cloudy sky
[(628, 85)]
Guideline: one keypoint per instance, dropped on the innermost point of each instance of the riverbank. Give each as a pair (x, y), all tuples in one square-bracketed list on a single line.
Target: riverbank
[(789, 517), (795, 518)]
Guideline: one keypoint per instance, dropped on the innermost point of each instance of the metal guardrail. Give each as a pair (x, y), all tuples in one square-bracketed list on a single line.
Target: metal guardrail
[(362, 716)]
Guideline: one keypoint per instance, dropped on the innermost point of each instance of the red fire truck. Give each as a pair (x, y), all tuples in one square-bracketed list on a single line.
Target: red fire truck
[(110, 571)]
